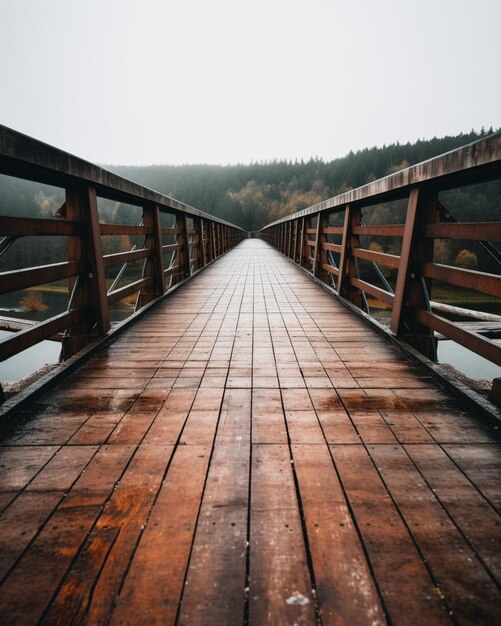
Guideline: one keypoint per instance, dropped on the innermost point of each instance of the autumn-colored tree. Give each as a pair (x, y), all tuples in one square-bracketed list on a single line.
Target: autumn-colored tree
[(467, 260), (396, 168)]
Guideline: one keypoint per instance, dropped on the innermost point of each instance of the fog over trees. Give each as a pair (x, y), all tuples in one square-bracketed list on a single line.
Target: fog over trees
[(253, 195)]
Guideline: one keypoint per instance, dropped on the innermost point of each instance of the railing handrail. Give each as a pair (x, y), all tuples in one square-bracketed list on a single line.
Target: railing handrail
[(25, 157), (445, 170), (169, 254), (311, 240)]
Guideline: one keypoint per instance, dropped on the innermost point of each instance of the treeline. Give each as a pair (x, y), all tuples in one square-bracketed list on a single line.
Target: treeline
[(255, 194)]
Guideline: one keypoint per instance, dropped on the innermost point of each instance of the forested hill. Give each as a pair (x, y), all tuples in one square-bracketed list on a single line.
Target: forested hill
[(253, 195)]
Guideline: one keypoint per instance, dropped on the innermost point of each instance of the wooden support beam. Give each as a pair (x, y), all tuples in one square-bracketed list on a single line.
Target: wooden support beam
[(347, 265), (294, 247), (204, 242), (302, 242), (89, 290), (184, 249), (321, 258), (413, 288), (197, 249), (153, 265)]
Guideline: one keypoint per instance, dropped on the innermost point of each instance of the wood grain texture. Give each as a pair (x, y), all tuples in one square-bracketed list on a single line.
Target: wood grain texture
[(249, 452)]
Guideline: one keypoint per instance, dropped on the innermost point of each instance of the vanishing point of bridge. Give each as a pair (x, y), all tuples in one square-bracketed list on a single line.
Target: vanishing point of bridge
[(249, 450)]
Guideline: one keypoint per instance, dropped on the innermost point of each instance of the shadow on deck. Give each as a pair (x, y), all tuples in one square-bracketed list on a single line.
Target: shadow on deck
[(250, 452)]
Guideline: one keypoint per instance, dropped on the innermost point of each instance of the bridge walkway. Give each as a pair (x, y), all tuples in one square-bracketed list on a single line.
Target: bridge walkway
[(250, 453)]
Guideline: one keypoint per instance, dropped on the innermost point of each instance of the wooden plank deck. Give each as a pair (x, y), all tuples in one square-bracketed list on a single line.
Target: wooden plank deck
[(250, 453)]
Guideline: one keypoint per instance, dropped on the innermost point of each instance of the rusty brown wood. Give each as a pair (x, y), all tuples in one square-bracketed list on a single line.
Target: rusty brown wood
[(343, 257), (97, 280), (122, 229), (468, 279), (174, 230), (119, 258), (333, 230), (170, 247), (45, 330), (331, 270), (380, 294), (472, 341), (78, 219), (405, 261), (347, 266), (321, 258), (473, 231), (334, 247), (153, 269), (26, 226), (183, 247), (475, 163), (22, 279), (301, 245), (133, 287), (413, 287), (382, 258), (76, 337), (214, 240), (295, 241), (316, 245), (382, 230), (206, 465)]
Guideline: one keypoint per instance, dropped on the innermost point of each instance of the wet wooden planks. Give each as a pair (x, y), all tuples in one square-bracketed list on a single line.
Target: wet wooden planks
[(250, 453)]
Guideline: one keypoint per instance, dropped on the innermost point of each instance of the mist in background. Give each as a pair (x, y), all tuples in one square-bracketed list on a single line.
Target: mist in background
[(227, 81)]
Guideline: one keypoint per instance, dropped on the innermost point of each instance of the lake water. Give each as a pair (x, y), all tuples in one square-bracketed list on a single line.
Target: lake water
[(32, 359), (471, 364), (28, 361)]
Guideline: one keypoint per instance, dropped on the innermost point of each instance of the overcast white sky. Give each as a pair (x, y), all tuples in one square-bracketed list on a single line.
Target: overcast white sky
[(225, 81)]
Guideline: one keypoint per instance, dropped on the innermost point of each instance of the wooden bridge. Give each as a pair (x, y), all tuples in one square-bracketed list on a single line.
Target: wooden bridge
[(246, 449)]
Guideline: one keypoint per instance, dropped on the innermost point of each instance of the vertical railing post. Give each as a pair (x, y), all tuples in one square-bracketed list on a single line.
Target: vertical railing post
[(218, 239), (294, 245), (203, 235), (309, 248), (347, 263), (183, 243), (320, 253), (197, 248), (412, 289), (302, 242), (214, 240), (316, 255), (88, 289), (209, 248), (153, 265)]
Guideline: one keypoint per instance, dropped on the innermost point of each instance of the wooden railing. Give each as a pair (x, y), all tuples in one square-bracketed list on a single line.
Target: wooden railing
[(176, 242), (327, 240)]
